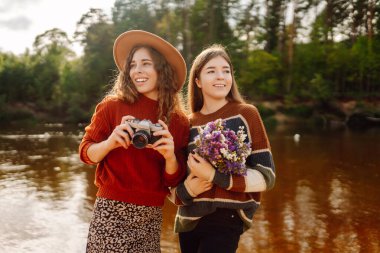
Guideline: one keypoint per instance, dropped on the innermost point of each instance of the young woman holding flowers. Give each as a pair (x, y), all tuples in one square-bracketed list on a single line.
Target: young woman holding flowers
[(216, 207), (133, 182)]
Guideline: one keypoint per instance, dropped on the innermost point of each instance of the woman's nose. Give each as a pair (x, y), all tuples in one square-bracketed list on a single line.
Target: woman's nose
[(137, 68), (219, 75)]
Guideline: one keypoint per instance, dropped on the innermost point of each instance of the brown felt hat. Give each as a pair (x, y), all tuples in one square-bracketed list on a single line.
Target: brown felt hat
[(126, 41)]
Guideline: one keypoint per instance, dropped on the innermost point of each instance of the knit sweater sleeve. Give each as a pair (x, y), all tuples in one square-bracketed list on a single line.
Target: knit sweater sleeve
[(97, 131), (180, 131), (260, 166), (181, 195)]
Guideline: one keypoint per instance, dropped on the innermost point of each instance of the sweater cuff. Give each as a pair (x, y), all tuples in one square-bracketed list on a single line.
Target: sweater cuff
[(171, 177), (174, 179), (221, 180), (83, 155), (192, 194), (183, 194)]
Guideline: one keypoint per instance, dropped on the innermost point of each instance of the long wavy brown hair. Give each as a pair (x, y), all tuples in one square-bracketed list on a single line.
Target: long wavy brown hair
[(195, 96), (169, 98)]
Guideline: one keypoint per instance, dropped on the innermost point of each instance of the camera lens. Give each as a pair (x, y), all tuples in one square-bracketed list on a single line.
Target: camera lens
[(140, 139)]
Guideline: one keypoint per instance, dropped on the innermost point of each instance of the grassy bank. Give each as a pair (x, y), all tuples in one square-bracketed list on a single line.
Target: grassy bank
[(273, 112)]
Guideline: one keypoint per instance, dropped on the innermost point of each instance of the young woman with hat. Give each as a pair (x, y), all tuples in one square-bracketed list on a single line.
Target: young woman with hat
[(215, 208), (133, 180)]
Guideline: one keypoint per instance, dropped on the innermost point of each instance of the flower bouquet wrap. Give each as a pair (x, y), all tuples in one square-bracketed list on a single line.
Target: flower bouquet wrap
[(223, 148)]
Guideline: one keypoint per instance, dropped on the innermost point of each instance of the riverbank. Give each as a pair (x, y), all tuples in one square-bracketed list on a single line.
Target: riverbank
[(337, 113)]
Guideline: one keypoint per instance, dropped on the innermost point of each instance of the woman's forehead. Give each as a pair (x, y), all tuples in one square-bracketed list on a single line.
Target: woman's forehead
[(141, 54), (217, 62)]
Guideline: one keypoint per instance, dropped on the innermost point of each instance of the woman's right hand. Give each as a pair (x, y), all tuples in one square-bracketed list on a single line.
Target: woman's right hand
[(118, 138), (197, 185), (121, 135)]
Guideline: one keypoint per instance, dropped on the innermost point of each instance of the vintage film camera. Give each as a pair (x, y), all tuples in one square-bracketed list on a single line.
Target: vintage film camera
[(143, 132)]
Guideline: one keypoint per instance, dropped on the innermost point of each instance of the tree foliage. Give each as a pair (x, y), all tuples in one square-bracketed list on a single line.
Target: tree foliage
[(305, 49)]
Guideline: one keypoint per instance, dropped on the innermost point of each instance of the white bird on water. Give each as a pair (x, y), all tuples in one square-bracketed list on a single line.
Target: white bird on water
[(296, 137)]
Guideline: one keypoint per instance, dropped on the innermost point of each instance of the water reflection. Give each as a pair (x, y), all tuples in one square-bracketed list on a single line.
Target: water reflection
[(326, 197), (325, 200), (33, 224), (311, 232), (44, 198)]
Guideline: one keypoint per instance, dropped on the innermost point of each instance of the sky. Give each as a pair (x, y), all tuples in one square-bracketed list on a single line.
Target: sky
[(22, 20)]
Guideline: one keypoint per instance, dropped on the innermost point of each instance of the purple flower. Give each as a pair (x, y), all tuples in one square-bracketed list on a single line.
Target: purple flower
[(223, 148)]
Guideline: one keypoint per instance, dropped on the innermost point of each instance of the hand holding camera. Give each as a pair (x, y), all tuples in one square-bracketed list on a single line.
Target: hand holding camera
[(143, 135), (143, 132)]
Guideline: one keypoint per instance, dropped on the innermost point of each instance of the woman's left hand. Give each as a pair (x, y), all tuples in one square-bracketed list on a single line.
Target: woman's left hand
[(200, 167), (164, 145)]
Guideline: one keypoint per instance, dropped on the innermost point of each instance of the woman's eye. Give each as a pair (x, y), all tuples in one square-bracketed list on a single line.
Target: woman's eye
[(210, 72)]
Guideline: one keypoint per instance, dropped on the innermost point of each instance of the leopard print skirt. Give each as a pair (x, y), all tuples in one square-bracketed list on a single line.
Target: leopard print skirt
[(122, 227)]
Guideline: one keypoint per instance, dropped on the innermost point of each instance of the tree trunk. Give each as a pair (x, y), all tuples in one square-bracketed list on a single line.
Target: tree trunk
[(186, 33), (291, 37)]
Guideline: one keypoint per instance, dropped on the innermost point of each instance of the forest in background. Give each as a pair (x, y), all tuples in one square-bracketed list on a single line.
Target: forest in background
[(307, 54)]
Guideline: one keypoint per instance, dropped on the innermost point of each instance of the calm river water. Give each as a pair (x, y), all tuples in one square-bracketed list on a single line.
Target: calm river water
[(326, 198)]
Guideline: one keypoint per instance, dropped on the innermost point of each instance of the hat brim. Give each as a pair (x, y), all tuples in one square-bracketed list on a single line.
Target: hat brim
[(126, 41)]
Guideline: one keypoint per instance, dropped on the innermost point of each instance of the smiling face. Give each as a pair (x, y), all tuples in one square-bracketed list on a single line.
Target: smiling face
[(143, 73), (215, 79)]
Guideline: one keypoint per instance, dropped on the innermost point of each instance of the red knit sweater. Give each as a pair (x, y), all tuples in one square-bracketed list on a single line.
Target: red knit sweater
[(134, 175)]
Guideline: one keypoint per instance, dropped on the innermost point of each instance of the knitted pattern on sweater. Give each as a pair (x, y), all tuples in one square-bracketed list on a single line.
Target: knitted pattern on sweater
[(134, 175), (229, 191)]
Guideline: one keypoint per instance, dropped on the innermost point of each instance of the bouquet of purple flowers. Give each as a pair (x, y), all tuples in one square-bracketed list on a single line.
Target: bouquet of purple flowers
[(223, 148)]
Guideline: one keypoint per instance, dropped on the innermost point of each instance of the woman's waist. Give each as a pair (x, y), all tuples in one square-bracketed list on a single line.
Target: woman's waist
[(146, 197)]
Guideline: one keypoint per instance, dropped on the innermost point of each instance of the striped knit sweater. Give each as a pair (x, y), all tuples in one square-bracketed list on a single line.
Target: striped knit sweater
[(229, 191)]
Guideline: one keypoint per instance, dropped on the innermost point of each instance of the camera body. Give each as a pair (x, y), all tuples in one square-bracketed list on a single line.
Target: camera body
[(143, 132)]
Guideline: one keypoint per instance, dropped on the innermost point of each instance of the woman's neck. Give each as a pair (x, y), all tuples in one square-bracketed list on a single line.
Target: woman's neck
[(212, 106)]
